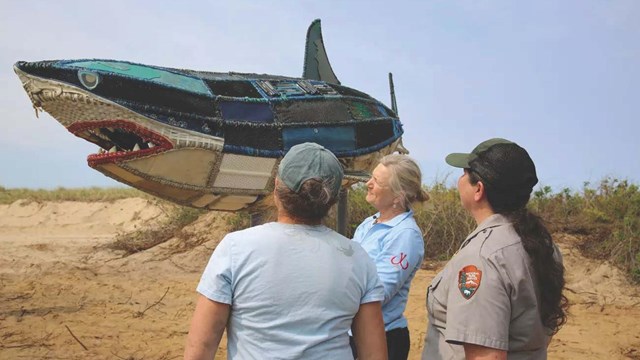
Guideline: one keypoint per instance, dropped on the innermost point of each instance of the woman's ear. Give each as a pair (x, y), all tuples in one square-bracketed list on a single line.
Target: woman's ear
[(275, 186), (397, 200), (480, 191)]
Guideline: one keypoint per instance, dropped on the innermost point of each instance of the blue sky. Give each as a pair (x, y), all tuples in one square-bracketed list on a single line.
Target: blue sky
[(561, 78)]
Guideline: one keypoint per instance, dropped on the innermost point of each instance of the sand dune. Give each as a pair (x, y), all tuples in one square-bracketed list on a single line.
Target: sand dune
[(66, 296)]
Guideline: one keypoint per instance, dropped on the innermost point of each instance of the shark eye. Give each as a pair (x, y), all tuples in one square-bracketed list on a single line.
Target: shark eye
[(88, 79)]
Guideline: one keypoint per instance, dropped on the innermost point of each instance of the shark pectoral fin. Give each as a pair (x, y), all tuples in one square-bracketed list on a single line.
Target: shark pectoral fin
[(316, 62), (401, 149), (354, 175)]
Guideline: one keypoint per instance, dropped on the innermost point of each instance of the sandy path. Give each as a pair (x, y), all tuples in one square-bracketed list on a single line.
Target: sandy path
[(64, 296)]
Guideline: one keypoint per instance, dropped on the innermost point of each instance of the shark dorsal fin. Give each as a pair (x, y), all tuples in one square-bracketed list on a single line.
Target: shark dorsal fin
[(316, 62), (394, 105)]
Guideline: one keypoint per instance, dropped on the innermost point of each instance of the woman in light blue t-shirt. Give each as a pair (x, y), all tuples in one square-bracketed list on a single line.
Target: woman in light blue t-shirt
[(291, 289)]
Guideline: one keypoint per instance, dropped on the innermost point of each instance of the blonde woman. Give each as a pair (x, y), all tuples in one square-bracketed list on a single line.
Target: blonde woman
[(393, 240)]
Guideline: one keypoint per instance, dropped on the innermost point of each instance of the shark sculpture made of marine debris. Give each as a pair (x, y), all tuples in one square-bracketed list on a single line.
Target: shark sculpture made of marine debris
[(211, 140)]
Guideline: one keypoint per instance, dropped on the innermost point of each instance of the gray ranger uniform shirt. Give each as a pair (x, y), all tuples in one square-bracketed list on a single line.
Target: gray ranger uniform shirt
[(486, 295)]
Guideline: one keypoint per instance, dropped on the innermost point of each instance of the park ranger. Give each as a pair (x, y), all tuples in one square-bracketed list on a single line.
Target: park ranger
[(488, 302)]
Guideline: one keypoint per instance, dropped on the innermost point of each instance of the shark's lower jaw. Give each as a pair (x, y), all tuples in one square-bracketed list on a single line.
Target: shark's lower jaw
[(119, 140)]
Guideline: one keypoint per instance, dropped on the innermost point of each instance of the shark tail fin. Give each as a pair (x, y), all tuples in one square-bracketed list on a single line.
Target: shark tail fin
[(316, 62), (394, 105)]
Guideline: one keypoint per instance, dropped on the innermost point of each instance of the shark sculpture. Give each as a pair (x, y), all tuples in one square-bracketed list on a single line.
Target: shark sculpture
[(211, 140)]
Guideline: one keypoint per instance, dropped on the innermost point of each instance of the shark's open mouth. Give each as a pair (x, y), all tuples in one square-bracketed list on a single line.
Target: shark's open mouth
[(119, 140)]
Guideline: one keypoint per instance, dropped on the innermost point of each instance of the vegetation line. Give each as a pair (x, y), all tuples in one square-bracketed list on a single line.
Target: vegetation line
[(605, 216), (93, 194)]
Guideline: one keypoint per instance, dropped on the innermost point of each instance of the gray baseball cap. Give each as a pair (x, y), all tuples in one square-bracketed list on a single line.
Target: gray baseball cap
[(310, 161)]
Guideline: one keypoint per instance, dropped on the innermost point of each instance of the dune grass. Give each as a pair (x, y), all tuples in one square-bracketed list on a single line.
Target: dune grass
[(146, 238), (93, 194), (606, 216)]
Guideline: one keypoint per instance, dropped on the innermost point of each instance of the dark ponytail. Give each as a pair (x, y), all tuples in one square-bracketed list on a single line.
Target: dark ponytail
[(539, 245)]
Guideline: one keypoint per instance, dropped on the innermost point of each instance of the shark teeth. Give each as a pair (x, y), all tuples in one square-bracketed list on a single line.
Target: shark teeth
[(115, 149), (98, 134), (119, 140)]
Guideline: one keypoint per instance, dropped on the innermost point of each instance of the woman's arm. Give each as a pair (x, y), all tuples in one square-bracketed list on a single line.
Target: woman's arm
[(207, 326), (368, 332), (400, 254), (477, 352)]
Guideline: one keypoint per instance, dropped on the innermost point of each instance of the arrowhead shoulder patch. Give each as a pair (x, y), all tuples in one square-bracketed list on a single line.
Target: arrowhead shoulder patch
[(469, 280)]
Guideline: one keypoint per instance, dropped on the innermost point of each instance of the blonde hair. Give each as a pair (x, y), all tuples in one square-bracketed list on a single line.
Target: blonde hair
[(405, 179)]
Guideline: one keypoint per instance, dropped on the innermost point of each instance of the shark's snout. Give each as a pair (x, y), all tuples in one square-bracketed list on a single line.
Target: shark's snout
[(37, 68)]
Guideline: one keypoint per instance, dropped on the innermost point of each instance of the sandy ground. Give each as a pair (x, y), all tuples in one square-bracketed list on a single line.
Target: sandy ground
[(64, 295)]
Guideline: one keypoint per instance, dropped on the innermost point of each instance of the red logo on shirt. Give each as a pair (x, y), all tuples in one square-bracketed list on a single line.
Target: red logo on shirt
[(469, 280), (402, 261)]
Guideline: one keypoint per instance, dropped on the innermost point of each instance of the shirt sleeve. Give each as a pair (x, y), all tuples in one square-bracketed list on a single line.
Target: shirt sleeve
[(216, 281), (401, 252), (374, 291), (478, 304)]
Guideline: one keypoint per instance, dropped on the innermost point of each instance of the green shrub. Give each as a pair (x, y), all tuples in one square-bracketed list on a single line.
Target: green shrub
[(239, 220), (615, 206), (358, 208), (635, 271), (444, 222)]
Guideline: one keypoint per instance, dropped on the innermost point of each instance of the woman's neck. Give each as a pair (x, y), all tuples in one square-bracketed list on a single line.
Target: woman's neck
[(388, 214), (482, 214), (286, 218)]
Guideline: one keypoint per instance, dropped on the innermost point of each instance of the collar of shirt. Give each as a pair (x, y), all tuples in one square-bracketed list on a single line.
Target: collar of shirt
[(394, 221)]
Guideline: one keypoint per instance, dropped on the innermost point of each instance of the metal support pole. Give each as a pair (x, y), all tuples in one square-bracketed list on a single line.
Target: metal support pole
[(342, 217), (255, 219)]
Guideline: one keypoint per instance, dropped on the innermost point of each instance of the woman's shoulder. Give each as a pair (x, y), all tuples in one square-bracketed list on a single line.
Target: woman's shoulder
[(497, 239), (254, 233), (252, 229), (493, 244), (408, 226)]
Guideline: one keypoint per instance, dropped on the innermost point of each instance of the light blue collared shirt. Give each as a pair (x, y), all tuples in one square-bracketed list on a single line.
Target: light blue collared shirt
[(397, 248)]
